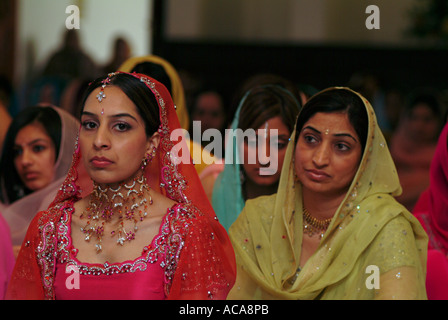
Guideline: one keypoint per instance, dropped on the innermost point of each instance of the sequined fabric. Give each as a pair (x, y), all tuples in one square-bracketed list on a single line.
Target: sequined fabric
[(155, 267)]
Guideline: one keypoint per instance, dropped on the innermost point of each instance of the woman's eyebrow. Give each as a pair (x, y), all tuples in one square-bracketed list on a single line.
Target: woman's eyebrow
[(311, 128), (118, 115), (32, 142), (345, 135), (335, 134)]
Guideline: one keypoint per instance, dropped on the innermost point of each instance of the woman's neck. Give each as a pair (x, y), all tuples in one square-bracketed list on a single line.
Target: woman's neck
[(252, 190), (109, 189), (116, 198), (321, 206)]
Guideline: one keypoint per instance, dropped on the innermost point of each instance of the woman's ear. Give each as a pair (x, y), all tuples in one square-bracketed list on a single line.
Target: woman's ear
[(153, 142)]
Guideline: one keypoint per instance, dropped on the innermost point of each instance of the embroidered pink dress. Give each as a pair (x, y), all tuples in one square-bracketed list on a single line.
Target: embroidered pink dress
[(143, 278), (7, 259)]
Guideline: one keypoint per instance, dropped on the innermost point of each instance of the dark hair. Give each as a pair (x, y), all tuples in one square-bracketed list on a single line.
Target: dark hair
[(259, 80), (337, 100), (427, 98), (155, 71), (10, 180), (265, 102), (138, 93)]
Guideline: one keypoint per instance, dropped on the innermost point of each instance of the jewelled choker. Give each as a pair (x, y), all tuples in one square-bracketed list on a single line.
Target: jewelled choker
[(312, 226), (128, 201)]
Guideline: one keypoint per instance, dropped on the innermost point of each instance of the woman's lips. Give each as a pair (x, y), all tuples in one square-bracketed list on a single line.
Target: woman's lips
[(317, 175), (32, 175), (100, 162)]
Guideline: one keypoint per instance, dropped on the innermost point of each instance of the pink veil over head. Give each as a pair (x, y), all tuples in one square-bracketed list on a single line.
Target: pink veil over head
[(432, 212), (432, 207), (7, 259)]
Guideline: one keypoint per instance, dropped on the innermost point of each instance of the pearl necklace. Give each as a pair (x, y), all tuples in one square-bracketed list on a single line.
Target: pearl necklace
[(312, 226), (130, 207)]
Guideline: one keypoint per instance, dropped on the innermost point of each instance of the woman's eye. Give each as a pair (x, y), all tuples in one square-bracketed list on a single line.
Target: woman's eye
[(309, 139), (279, 144), (122, 126), (89, 125), (342, 147), (282, 145), (17, 152), (38, 148)]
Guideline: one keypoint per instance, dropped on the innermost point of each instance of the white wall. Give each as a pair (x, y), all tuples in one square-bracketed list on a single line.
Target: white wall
[(41, 25)]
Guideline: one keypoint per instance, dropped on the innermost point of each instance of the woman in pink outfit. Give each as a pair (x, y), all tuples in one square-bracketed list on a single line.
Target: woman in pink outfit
[(6, 256), (147, 230), (432, 211), (413, 144)]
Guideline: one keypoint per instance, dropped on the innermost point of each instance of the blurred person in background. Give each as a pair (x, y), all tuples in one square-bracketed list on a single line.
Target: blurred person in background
[(413, 143), (35, 159)]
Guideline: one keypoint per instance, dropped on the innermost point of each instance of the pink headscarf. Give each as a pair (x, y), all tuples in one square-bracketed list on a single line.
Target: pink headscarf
[(6, 257), (432, 207), (432, 212)]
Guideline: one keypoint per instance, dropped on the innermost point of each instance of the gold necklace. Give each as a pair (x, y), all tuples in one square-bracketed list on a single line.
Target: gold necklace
[(132, 206), (312, 226)]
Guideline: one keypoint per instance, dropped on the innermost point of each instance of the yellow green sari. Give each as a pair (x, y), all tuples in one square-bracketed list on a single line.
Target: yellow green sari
[(373, 248)]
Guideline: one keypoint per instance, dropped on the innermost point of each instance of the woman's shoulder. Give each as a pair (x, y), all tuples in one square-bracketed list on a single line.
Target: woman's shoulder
[(257, 211), (53, 212), (45, 221), (262, 203), (185, 212), (395, 220)]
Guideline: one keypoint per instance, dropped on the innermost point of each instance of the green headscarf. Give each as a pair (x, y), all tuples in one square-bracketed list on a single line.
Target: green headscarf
[(370, 229)]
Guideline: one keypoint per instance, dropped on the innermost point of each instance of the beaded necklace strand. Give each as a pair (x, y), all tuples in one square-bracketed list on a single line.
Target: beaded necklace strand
[(312, 226)]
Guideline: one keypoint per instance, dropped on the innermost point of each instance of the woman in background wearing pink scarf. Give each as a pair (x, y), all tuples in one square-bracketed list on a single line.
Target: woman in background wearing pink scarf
[(6, 256), (413, 144), (432, 211)]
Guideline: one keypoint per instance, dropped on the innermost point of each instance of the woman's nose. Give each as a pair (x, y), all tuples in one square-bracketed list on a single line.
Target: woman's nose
[(321, 155), (26, 158), (102, 138)]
